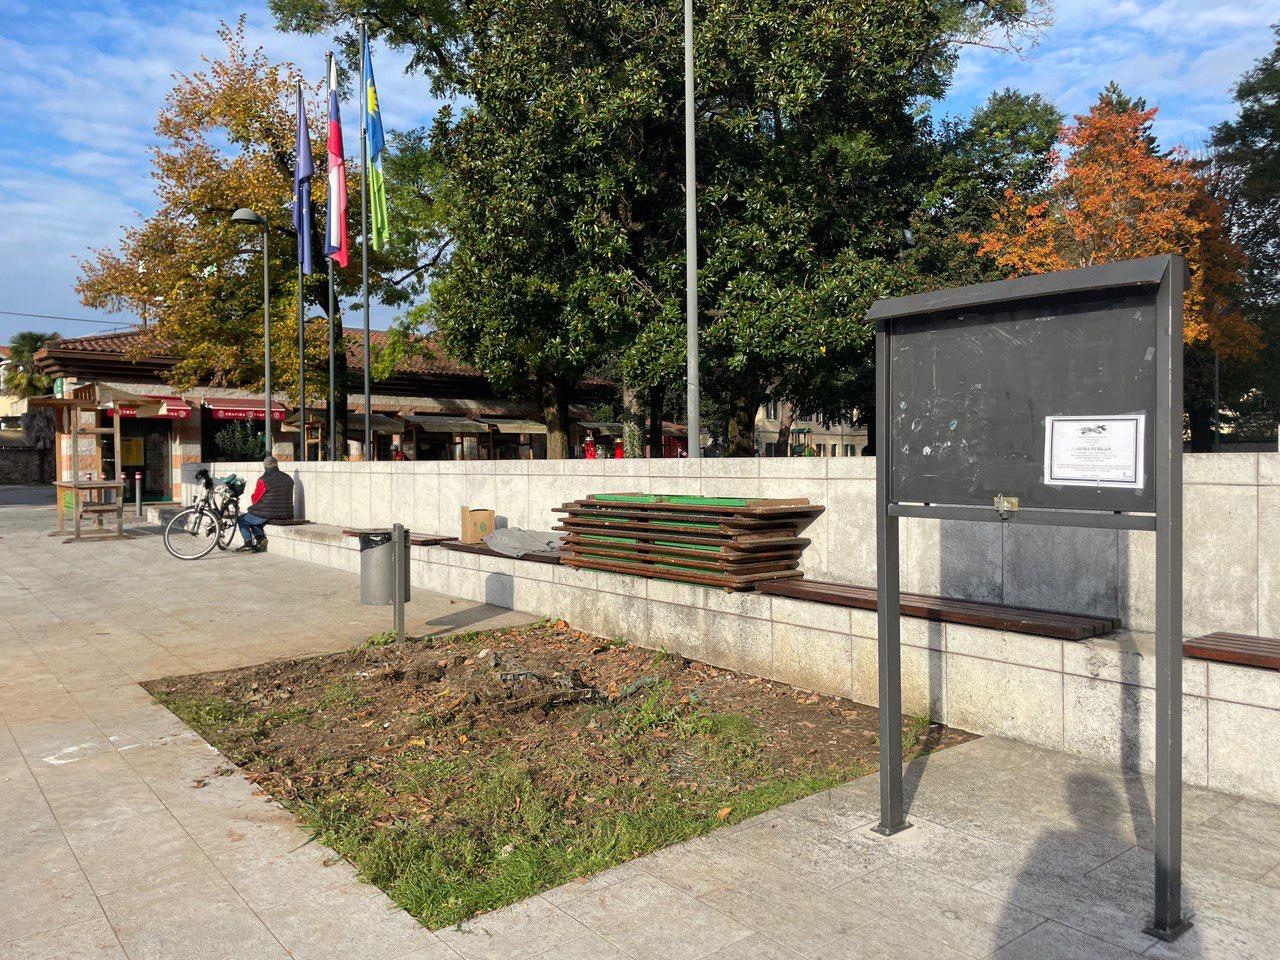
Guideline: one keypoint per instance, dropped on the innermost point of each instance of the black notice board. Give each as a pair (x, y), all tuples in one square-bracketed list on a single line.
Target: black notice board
[(973, 375)]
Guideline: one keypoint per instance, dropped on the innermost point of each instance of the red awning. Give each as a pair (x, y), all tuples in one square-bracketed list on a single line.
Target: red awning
[(225, 408), (171, 408)]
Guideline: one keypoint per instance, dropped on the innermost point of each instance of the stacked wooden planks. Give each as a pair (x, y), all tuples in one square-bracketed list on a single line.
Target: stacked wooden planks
[(727, 542)]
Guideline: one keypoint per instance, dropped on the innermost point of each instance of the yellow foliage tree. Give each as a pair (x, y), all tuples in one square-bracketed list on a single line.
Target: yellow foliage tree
[(226, 137)]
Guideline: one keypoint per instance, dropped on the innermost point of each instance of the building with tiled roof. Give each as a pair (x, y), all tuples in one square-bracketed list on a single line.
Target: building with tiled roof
[(116, 352), (430, 407)]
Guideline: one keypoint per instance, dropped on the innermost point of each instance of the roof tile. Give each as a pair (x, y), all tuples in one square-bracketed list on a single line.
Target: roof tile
[(436, 363)]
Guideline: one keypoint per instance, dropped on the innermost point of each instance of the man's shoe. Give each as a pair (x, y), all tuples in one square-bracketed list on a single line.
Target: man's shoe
[(260, 545), (250, 547)]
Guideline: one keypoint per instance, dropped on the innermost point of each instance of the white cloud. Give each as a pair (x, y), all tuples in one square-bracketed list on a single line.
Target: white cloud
[(1183, 56)]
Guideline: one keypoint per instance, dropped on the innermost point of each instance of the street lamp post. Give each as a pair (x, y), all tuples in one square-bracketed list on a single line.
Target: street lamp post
[(693, 413), (245, 215)]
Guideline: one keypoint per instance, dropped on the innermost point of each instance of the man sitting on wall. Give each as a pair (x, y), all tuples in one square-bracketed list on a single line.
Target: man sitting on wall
[(272, 500)]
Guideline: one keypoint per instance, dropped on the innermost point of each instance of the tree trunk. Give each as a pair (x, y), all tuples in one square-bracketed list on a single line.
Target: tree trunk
[(1200, 420), (340, 418), (555, 410), (1197, 397), (782, 448), (655, 421), (632, 421), (336, 447), (742, 427)]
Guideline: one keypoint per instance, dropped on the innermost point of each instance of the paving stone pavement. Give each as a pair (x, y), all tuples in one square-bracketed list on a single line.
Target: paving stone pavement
[(109, 849)]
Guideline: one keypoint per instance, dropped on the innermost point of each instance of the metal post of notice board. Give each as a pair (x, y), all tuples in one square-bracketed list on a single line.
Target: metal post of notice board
[(1028, 401), (888, 615), (1169, 923)]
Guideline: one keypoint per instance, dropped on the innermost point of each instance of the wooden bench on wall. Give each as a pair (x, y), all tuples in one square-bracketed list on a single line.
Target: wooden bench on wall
[(484, 550), (974, 613), (1219, 647), (1237, 648), (995, 616)]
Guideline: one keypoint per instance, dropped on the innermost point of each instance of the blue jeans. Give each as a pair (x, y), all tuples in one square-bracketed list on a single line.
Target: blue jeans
[(250, 527)]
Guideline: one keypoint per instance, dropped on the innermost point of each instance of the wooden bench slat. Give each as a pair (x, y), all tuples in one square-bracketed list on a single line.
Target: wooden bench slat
[(484, 550), (1060, 626), (1238, 648), (1241, 638)]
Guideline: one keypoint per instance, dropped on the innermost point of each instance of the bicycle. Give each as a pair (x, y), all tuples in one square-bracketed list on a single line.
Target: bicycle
[(209, 522)]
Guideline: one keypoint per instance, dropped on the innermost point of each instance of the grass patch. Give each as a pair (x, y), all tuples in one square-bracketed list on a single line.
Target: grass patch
[(476, 771)]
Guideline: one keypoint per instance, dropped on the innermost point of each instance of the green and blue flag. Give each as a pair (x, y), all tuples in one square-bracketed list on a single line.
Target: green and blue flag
[(378, 229)]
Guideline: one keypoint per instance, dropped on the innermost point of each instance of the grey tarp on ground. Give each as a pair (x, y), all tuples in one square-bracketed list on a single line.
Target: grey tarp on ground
[(514, 542)]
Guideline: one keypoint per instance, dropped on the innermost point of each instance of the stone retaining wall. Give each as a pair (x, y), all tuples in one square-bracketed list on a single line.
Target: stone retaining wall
[(1095, 699)]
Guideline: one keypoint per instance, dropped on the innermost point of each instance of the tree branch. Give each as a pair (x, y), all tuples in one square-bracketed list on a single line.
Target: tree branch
[(425, 266)]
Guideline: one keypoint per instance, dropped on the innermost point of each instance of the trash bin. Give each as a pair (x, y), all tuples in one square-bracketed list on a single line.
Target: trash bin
[(377, 568)]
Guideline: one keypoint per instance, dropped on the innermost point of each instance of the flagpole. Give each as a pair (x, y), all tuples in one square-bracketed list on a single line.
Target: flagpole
[(333, 309), (364, 232), (302, 327), (302, 373), (333, 303)]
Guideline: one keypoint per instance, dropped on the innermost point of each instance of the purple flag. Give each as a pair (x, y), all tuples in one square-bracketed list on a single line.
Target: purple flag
[(303, 168)]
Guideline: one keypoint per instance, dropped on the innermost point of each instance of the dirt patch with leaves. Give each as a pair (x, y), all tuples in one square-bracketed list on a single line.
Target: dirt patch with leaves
[(467, 772)]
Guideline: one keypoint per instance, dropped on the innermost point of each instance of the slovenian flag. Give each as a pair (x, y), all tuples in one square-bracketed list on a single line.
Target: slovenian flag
[(335, 231), (378, 229), (303, 168)]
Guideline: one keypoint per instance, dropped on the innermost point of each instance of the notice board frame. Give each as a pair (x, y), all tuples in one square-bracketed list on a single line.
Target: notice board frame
[(1162, 278)]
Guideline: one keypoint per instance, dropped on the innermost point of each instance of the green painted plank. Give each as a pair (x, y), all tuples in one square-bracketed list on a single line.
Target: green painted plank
[(671, 498), (666, 543)]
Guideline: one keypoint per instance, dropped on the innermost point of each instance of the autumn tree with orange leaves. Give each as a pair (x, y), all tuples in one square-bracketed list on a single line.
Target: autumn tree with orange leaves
[(1115, 196)]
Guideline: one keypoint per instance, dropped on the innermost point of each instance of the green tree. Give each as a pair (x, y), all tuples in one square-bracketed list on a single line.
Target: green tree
[(565, 173), (563, 180), (238, 441), (1246, 168), (21, 378), (1114, 99), (1004, 145)]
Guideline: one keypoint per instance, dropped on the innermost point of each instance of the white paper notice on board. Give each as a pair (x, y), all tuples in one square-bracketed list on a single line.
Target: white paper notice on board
[(1095, 451)]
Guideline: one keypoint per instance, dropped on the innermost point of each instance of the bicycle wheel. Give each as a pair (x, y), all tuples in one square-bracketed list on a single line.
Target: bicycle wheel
[(227, 525), (191, 534)]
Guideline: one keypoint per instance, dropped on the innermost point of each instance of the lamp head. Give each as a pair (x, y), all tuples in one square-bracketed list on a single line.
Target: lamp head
[(245, 215)]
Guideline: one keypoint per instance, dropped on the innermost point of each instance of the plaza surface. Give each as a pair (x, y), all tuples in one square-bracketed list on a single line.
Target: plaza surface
[(125, 835)]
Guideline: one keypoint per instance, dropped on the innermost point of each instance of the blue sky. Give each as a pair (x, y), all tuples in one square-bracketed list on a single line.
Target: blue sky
[(83, 81)]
